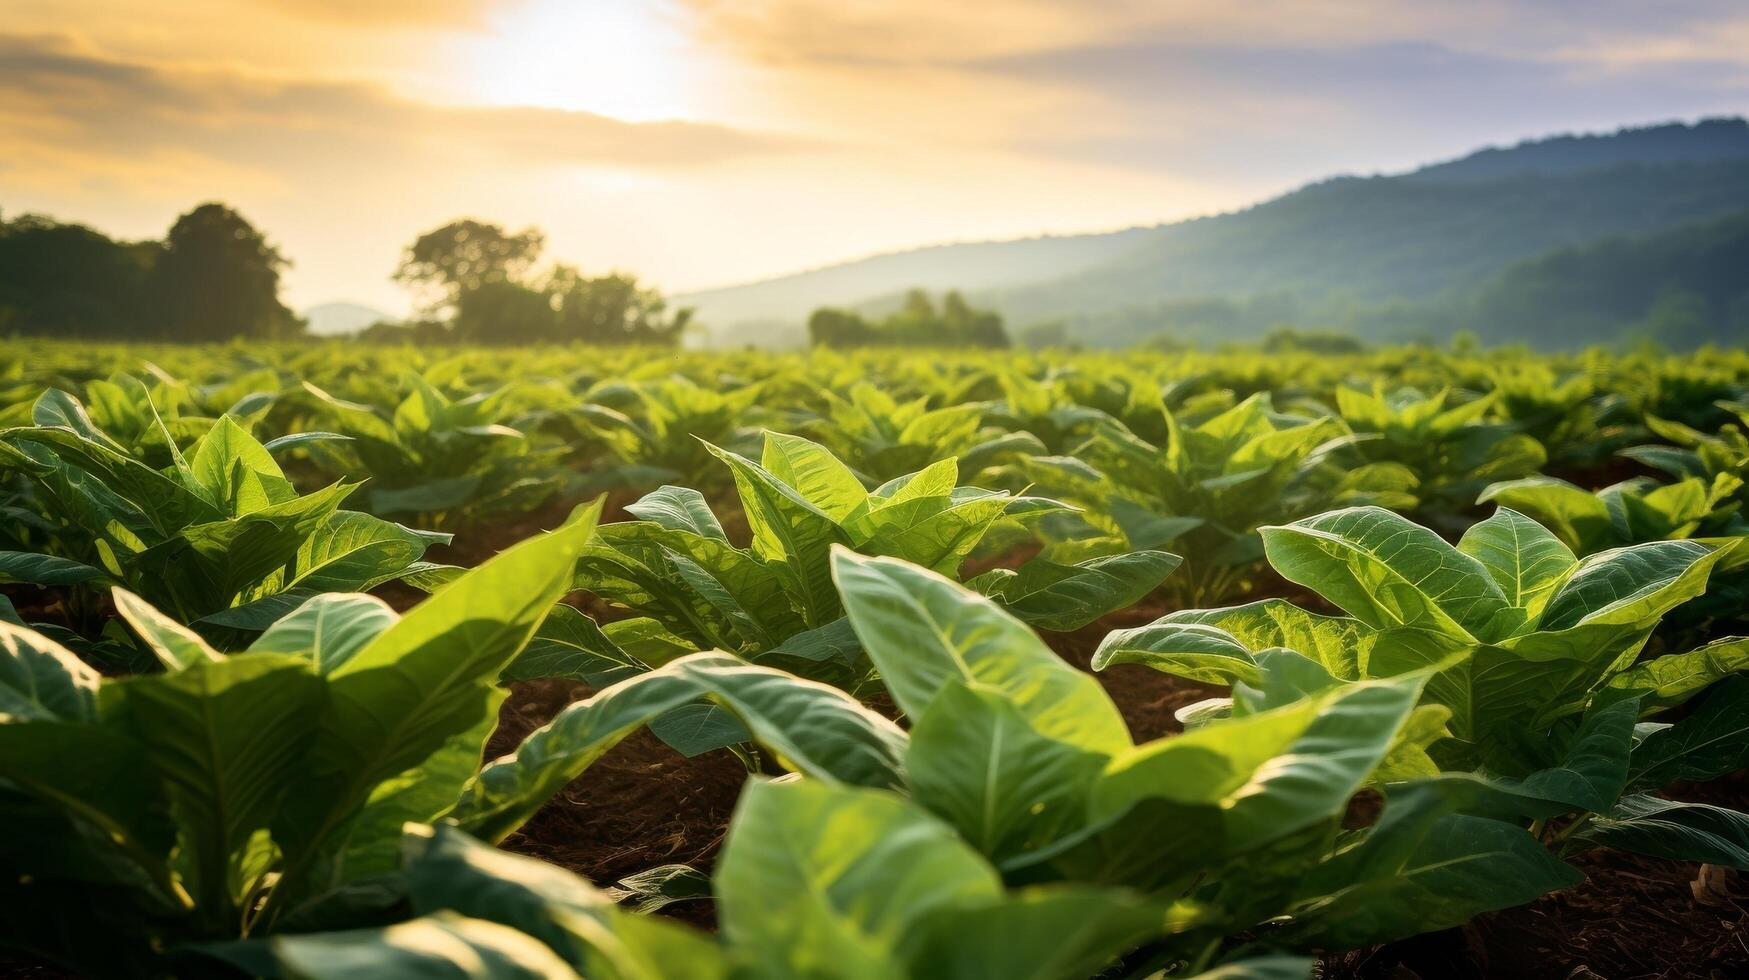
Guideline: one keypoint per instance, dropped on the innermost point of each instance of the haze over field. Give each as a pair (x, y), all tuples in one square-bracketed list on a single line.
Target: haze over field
[(700, 143)]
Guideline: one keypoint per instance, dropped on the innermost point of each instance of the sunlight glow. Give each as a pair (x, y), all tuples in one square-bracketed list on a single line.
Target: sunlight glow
[(619, 58)]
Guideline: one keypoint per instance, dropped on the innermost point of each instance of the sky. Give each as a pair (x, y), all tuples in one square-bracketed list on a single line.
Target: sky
[(707, 142)]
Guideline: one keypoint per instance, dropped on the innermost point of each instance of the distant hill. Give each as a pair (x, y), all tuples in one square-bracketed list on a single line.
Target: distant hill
[(1383, 256), (1686, 286), (333, 319)]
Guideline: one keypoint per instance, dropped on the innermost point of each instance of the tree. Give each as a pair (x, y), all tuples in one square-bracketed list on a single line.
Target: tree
[(917, 322), (612, 309), (463, 256), (71, 281), (218, 278)]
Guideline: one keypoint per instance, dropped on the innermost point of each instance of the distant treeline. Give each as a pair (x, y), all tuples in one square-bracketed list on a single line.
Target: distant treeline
[(215, 277), (212, 277), (917, 323), (481, 289)]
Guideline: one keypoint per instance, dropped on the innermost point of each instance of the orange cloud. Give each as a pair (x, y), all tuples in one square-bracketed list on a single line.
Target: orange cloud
[(56, 95)]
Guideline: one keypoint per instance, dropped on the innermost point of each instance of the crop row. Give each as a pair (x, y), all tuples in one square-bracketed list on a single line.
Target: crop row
[(1447, 664)]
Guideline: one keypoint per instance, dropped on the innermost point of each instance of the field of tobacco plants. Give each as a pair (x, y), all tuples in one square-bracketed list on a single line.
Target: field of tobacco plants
[(345, 661)]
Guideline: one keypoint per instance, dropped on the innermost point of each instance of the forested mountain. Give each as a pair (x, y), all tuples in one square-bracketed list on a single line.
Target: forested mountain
[(1384, 256)]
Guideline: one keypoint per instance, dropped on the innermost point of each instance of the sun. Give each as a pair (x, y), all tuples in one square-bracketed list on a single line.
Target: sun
[(630, 59)]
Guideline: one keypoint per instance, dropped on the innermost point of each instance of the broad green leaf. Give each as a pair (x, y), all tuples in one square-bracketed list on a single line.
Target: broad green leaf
[(33, 569), (434, 947), (569, 644), (815, 473), (922, 631), (1268, 774), (824, 881), (40, 680), (99, 777), (787, 528), (1038, 933), (1523, 557), (449, 871), (1342, 645), (328, 629), (227, 738), (1058, 597), (1629, 584), (1670, 829), (1387, 571), (1193, 651), (934, 532), (1594, 768), (975, 762), (694, 729), (1711, 741), (176, 646), (352, 552), (678, 509), (811, 728), (1424, 867), (1576, 516), (1261, 968), (419, 795), (425, 680), (1674, 678), (236, 472)]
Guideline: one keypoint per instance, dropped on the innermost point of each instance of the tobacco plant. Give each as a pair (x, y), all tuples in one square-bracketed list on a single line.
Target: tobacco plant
[(233, 796), (1537, 683), (218, 538), (773, 601)]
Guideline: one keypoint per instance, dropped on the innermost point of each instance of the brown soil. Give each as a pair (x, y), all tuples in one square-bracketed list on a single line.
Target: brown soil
[(640, 805)]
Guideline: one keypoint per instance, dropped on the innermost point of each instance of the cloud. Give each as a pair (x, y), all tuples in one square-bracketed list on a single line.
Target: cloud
[(463, 13), (76, 104)]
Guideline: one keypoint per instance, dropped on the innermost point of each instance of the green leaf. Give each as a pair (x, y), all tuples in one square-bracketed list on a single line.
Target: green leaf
[(1631, 584), (1523, 557), (236, 472), (449, 871), (1711, 741), (176, 646), (921, 631), (809, 727), (818, 880), (227, 738), (694, 729), (977, 763), (1594, 768), (1038, 933), (787, 528), (1387, 571), (678, 509), (40, 680), (1205, 654), (1341, 645), (1261, 968), (1058, 597), (569, 644), (423, 681), (32, 569), (435, 947), (353, 552), (1270, 774), (1669, 829), (1424, 867), (815, 473), (328, 630), (1672, 679), (1578, 517)]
